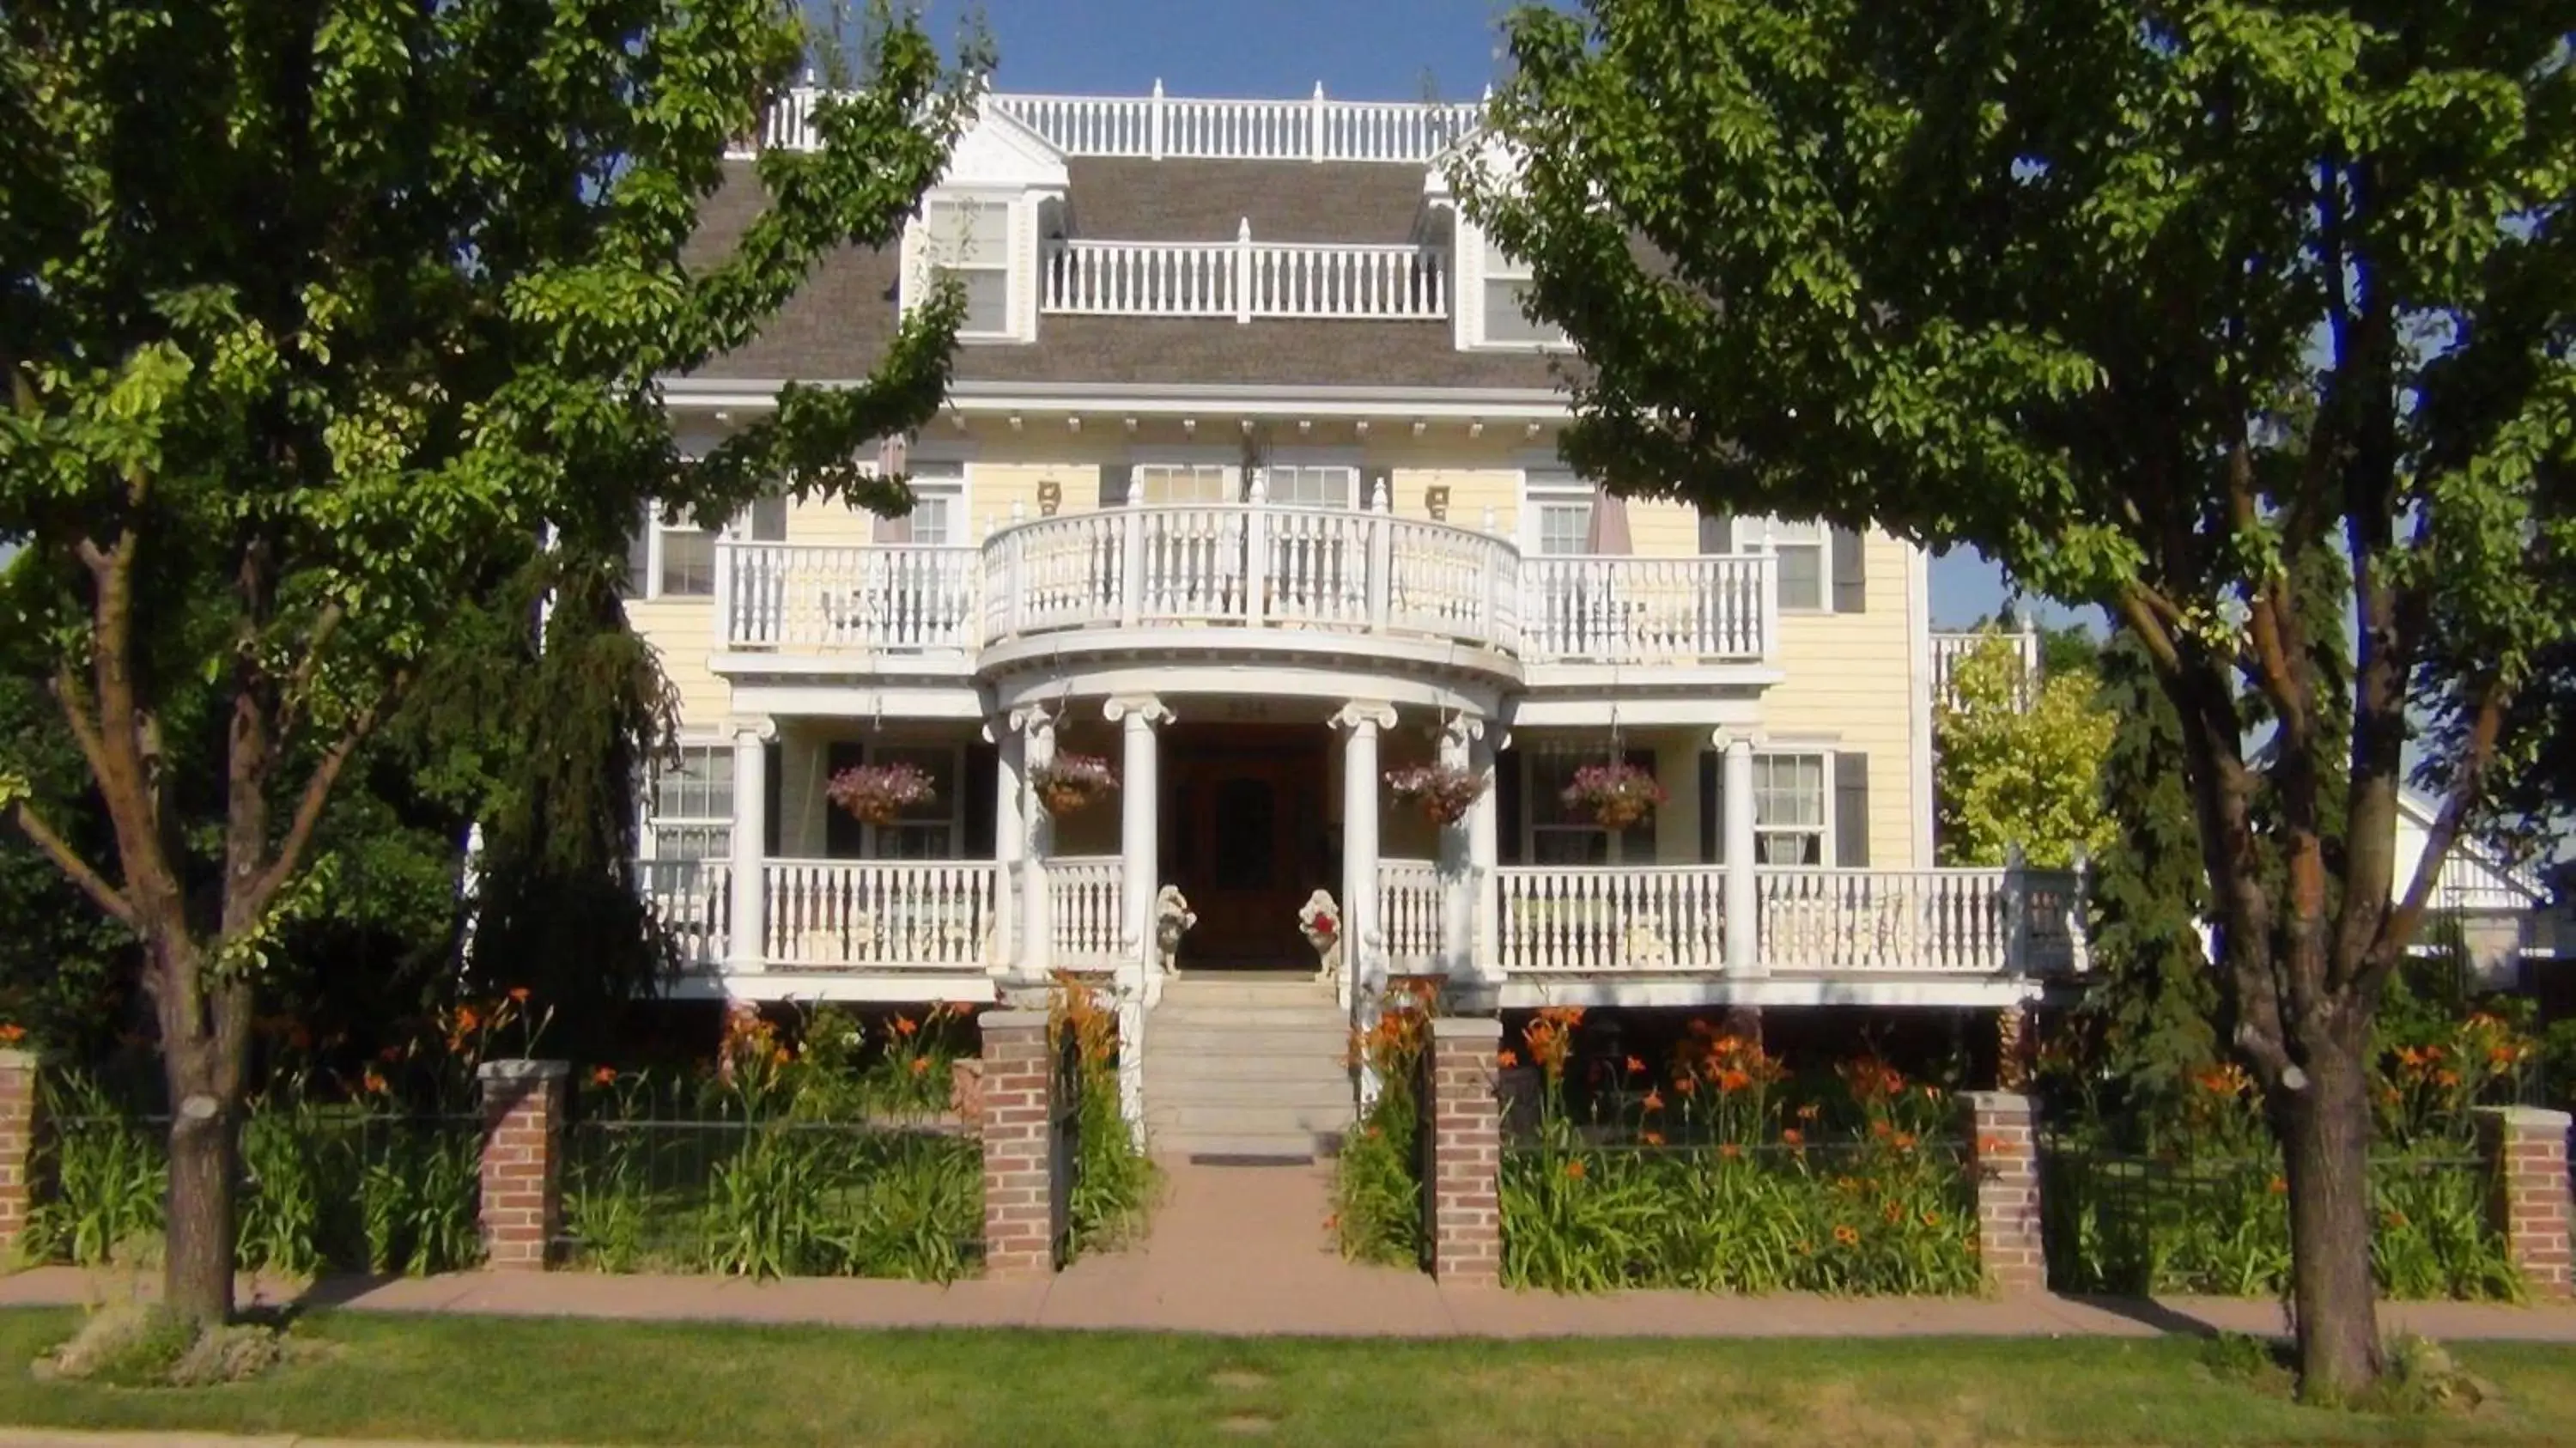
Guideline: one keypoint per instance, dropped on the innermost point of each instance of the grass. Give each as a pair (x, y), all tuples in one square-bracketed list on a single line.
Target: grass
[(522, 1380)]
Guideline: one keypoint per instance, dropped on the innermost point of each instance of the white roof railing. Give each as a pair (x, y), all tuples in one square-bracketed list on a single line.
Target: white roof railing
[(1162, 127)]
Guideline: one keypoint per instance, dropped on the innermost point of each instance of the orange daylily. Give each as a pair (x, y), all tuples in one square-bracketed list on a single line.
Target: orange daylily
[(604, 1076), (1846, 1236), (1654, 1101), (905, 1026), (1507, 1058), (1574, 1169), (519, 993)]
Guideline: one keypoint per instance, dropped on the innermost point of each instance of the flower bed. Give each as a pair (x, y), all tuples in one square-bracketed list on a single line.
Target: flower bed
[(825, 1157), (1377, 1177), (1113, 1178), (1715, 1172)]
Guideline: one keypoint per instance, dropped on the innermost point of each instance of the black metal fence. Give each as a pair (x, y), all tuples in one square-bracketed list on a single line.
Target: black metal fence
[(2126, 1223), (680, 1183), (1426, 1152), (1064, 1147)]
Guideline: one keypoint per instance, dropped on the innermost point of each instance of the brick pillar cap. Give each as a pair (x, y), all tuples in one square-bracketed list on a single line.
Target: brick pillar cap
[(1012, 1020), (1466, 1028), (14, 1059), (523, 1070), (2528, 1118), (1998, 1103)]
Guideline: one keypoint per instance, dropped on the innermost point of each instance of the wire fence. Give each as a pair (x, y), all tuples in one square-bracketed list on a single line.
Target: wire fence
[(2127, 1223), (679, 1185)]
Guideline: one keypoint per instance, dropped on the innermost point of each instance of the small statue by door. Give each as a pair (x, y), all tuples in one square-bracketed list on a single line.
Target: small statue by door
[(1320, 921)]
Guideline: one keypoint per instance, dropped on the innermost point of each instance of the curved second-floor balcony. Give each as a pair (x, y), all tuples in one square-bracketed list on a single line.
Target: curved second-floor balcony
[(1240, 575)]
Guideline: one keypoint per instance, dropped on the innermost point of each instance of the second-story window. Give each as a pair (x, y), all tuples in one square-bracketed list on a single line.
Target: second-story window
[(1158, 483), (938, 516), (970, 241), (678, 559)]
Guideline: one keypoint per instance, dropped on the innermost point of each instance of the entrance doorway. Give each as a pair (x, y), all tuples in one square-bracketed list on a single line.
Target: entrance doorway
[(1243, 837)]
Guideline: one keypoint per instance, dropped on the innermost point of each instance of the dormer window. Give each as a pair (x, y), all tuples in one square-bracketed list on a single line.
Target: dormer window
[(970, 240), (1507, 318)]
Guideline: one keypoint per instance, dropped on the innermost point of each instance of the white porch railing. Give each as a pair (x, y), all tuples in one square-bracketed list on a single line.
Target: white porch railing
[(1254, 565), (694, 901), (1621, 609), (1943, 921), (1244, 279), (1082, 901), (895, 598), (1593, 919), (1950, 646), (880, 914), (1409, 914)]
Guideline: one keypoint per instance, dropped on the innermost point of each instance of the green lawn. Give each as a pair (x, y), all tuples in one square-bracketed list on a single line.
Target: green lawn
[(585, 1382)]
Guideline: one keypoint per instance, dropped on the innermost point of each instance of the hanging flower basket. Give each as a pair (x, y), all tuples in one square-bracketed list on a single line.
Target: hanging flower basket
[(879, 793), (1444, 793), (1619, 794), (1071, 782)]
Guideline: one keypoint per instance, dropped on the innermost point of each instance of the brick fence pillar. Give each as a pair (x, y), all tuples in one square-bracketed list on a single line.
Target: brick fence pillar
[(2527, 1147), (523, 1110), (17, 1146), (1018, 1104), (2003, 1155), (1465, 1118)]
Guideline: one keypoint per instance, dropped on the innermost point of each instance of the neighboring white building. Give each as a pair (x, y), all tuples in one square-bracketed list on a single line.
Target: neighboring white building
[(2502, 912)]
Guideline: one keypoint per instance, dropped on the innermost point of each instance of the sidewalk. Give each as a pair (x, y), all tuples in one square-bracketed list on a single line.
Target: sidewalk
[(1241, 1250)]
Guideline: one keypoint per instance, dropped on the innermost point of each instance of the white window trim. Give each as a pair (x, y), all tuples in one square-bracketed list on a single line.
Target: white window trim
[(1540, 485), (1469, 294), (1826, 852), (1019, 292), (651, 822), (655, 530), (1769, 536)]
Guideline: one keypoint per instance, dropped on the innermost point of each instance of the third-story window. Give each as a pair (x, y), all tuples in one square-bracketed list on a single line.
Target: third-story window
[(1188, 482), (1789, 808), (1560, 513), (693, 804), (1507, 287), (971, 242)]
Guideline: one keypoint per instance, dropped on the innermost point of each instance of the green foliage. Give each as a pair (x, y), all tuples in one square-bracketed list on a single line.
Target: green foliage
[(1377, 1177), (779, 1161), (1114, 1179), (2020, 763), (1737, 1181)]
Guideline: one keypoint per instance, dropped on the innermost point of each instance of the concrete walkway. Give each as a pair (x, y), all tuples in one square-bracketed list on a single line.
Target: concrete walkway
[(1242, 1250)]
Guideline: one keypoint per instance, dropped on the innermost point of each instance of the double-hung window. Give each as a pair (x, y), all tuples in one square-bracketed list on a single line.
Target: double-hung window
[(1188, 482), (692, 804), (970, 241), (1560, 507), (1789, 811), (1507, 292), (678, 559), (1309, 486), (1803, 550)]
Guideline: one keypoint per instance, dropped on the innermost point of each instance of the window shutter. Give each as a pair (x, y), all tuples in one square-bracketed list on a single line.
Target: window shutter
[(844, 838), (1851, 573), (1507, 806), (769, 520), (1712, 807), (639, 556), (1115, 479), (1716, 533), (773, 794), (977, 791), (1851, 810)]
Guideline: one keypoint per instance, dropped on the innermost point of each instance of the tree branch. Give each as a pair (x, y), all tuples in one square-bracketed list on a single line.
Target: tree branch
[(69, 861), (2397, 929), (317, 794)]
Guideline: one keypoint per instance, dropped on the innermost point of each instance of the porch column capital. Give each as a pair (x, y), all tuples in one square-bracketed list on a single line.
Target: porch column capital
[(1364, 711), (748, 728), (1032, 720), (1148, 709), (1725, 739), (1461, 730)]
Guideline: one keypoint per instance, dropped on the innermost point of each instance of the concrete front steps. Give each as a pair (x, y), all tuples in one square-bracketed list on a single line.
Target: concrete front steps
[(1239, 1064)]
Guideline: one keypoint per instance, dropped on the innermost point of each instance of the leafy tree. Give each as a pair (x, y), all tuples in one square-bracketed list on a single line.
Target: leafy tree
[(310, 316), (2143, 303), (2020, 761)]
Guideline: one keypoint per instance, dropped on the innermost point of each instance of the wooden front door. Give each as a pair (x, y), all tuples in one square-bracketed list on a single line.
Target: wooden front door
[(1245, 844)]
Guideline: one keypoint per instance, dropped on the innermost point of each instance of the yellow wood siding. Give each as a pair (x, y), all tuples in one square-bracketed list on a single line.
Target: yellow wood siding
[(1849, 685), (682, 631)]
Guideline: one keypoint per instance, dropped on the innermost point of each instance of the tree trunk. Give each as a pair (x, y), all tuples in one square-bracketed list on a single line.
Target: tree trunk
[(2325, 1141), (202, 1054)]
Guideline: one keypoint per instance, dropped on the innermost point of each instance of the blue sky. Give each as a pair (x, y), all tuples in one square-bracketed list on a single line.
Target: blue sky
[(1359, 49)]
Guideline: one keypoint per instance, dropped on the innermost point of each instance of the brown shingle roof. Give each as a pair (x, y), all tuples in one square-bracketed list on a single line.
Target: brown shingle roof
[(837, 326)]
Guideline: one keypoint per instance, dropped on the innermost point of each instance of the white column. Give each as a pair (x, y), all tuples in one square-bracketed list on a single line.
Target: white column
[(1360, 946), (750, 829), (1139, 820), (1743, 940), (1010, 839), (1036, 955), (1458, 873), (1484, 853)]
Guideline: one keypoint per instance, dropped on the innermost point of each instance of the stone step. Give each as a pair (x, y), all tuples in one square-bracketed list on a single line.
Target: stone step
[(1244, 1144), (1201, 1041), (1199, 1011), (1165, 1064), (1218, 985), (1163, 1091), (1219, 1118)]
